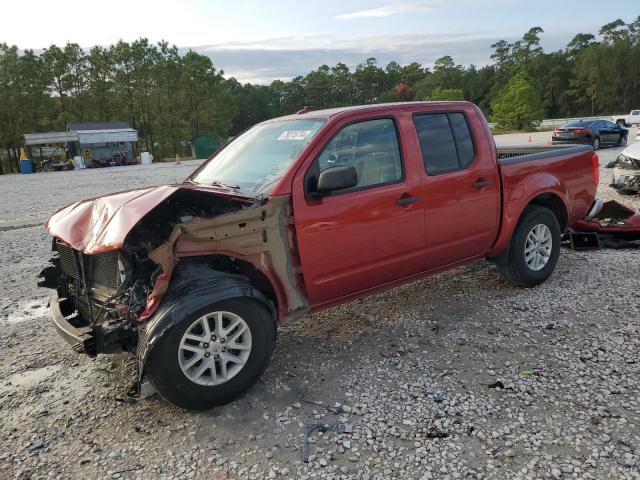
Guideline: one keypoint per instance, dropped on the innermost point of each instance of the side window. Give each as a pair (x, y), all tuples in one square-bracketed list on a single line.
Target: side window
[(445, 142), (462, 136), (371, 147), (635, 112)]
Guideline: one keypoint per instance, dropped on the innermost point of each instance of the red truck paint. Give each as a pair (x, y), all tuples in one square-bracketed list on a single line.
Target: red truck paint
[(360, 242)]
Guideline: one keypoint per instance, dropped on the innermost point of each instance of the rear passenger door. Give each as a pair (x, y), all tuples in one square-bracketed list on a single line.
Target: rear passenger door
[(460, 187)]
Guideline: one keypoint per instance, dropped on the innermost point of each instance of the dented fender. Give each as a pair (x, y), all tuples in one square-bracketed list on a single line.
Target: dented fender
[(261, 235)]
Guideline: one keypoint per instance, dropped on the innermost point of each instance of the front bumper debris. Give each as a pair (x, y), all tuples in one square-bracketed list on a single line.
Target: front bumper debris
[(626, 179), (69, 325), (613, 225)]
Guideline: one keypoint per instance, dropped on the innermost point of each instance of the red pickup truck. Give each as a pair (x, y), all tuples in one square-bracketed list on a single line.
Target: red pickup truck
[(298, 214)]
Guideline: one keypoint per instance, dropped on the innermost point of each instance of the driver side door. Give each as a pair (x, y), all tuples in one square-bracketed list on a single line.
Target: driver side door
[(364, 237)]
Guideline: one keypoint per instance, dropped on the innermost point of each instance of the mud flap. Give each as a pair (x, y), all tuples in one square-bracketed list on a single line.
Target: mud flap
[(584, 240)]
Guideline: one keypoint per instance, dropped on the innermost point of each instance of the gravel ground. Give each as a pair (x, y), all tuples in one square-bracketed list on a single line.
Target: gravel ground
[(457, 376)]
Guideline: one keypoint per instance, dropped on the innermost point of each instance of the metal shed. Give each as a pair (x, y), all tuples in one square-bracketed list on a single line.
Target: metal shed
[(104, 142), (49, 138)]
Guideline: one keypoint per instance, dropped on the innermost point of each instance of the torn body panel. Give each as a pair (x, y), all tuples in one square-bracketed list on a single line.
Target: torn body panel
[(261, 235), (116, 284), (614, 218)]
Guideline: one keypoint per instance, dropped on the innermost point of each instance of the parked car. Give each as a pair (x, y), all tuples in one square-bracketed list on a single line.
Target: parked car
[(627, 120), (298, 214), (626, 170), (595, 132)]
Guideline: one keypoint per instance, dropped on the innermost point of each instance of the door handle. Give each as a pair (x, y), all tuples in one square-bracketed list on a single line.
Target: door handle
[(407, 200), (481, 183)]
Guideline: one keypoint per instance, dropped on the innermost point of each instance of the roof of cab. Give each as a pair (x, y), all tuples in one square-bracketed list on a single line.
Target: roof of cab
[(373, 108)]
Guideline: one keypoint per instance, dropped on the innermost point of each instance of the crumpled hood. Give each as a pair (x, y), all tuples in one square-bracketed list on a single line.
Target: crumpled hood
[(101, 224), (632, 150)]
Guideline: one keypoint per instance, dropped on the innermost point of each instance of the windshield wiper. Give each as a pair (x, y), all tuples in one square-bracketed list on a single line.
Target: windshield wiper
[(224, 185)]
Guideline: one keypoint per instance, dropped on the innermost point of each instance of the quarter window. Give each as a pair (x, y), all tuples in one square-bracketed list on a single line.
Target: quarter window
[(371, 147), (445, 142)]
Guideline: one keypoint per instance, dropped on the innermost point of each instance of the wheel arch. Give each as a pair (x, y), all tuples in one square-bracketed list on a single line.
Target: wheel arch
[(200, 286), (550, 198), (554, 203)]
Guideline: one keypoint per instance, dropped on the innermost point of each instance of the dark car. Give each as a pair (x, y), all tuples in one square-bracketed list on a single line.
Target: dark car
[(596, 132)]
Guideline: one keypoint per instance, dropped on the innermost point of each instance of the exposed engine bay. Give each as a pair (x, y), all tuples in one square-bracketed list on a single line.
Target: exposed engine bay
[(626, 174), (105, 294)]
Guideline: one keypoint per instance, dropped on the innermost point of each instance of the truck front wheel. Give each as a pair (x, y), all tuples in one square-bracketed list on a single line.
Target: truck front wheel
[(534, 249), (214, 354)]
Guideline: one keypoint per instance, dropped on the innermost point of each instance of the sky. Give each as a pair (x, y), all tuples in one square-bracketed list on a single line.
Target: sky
[(260, 41)]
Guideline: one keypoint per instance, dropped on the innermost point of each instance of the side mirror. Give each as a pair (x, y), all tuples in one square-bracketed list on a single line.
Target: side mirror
[(336, 178)]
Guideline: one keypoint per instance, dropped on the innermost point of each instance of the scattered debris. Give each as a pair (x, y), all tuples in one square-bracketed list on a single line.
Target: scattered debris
[(336, 427), (435, 433), (37, 445), (497, 450), (614, 226), (584, 240)]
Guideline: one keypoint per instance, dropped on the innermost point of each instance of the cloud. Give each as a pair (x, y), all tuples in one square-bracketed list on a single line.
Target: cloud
[(286, 57), (393, 9)]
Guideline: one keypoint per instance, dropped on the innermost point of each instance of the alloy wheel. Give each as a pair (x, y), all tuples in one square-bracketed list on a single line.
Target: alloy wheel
[(537, 247), (214, 348)]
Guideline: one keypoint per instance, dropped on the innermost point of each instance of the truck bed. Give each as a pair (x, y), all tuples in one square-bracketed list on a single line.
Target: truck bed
[(566, 173), (512, 154)]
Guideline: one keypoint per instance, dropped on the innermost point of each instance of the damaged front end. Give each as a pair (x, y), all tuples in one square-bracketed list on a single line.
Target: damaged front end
[(106, 290), (97, 300), (626, 174)]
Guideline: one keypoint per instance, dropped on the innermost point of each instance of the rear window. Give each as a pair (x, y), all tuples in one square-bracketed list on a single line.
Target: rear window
[(445, 142), (582, 123)]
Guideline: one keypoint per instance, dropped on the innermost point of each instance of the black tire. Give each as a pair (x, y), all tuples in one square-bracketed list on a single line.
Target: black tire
[(596, 143), (512, 263), (623, 141), (166, 375)]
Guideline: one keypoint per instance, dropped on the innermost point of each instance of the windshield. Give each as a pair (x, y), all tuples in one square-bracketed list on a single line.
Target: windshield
[(257, 159)]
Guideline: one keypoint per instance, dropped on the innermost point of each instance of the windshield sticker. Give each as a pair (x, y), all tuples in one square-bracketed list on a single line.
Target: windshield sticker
[(294, 135)]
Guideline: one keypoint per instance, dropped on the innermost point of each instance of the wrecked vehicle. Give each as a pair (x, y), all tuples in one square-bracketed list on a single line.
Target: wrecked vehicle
[(298, 214), (626, 170), (610, 224)]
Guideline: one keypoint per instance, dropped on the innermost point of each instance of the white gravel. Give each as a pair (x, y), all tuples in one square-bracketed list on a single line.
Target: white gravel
[(457, 376)]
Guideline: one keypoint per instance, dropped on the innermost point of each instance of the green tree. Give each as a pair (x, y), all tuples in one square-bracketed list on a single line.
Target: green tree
[(440, 93), (518, 105)]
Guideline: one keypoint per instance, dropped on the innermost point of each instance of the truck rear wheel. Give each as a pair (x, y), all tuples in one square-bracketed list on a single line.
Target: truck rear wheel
[(214, 354), (534, 249)]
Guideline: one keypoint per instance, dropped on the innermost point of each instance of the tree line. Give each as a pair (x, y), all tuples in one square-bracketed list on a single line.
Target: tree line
[(170, 97)]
